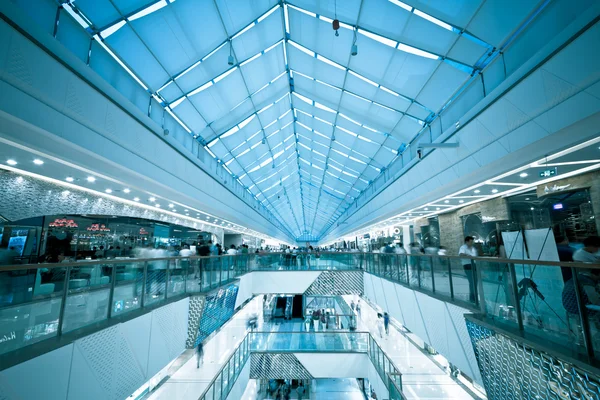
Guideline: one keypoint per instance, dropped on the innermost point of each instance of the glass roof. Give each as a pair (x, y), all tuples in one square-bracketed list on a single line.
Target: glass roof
[(278, 98)]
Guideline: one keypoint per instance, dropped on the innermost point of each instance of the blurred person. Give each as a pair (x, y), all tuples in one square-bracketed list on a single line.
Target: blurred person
[(400, 249), (300, 390), (100, 252), (185, 251), (214, 249), (232, 251), (589, 252), (386, 323), (380, 325), (199, 355), (442, 251), (468, 249)]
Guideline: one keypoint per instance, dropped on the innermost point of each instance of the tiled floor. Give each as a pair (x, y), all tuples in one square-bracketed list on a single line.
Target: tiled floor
[(421, 377)]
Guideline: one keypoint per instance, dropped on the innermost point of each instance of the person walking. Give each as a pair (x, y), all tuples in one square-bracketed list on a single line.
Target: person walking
[(386, 323), (199, 355), (380, 325), (323, 320), (300, 390), (468, 249)]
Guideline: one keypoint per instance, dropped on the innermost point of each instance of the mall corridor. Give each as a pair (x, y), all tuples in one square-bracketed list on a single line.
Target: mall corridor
[(266, 186)]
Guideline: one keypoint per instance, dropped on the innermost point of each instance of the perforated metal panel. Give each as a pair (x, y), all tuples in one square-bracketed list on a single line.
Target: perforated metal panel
[(26, 197), (511, 370), (194, 315), (277, 366), (336, 283)]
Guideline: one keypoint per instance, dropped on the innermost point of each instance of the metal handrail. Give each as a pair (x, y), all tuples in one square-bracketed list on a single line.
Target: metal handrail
[(16, 267)]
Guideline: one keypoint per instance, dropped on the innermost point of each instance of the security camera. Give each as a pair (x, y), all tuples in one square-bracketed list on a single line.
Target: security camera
[(420, 153), (166, 132)]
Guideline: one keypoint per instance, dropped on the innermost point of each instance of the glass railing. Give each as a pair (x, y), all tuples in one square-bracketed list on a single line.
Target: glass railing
[(221, 385), (280, 342), (386, 369), (356, 342), (555, 301)]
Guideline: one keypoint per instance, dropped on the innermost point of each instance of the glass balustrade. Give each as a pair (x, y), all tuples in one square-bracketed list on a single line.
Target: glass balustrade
[(310, 341), (545, 299)]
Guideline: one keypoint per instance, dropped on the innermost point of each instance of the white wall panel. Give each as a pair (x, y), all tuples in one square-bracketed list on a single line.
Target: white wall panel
[(45, 377), (109, 364), (440, 324), (330, 365), (283, 281), (245, 290)]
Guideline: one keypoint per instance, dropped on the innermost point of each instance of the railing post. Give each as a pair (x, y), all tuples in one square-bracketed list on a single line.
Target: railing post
[(432, 274), (113, 280), (61, 315), (585, 324), (167, 277), (144, 278), (514, 293), (449, 262), (479, 295)]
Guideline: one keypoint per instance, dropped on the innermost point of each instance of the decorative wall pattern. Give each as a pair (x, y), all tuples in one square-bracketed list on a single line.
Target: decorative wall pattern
[(26, 197), (194, 314), (277, 366), (217, 310), (335, 283), (511, 370)]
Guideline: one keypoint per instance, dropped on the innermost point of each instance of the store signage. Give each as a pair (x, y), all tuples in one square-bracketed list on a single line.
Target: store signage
[(143, 231), (558, 206), (366, 236), (98, 228), (547, 173), (555, 188), (63, 223)]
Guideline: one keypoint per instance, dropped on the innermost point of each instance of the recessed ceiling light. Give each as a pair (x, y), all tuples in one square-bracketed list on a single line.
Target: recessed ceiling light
[(126, 190), (527, 199), (136, 199), (171, 206), (185, 210), (108, 190), (532, 209), (157, 205), (91, 179), (446, 201), (11, 162), (152, 199), (461, 201), (437, 208), (477, 191), (37, 161), (494, 190), (523, 175), (69, 179), (426, 209)]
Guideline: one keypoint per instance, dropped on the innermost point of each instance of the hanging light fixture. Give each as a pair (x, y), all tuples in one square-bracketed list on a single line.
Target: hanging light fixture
[(354, 50), (230, 58), (336, 22)]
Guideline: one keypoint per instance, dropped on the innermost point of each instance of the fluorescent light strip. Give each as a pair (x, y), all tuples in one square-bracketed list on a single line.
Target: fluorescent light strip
[(148, 10), (434, 20), (121, 63)]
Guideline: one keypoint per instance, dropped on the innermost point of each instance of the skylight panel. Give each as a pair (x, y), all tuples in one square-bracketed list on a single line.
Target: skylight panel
[(317, 167), (324, 121), (268, 49), (112, 29), (148, 10), (324, 107), (303, 160), (305, 146), (201, 88), (251, 59), (434, 20), (117, 59), (227, 169), (230, 132), (340, 153), (388, 42), (349, 119), (177, 102), (347, 131), (389, 91), (288, 138), (302, 48), (246, 29), (255, 145), (243, 152), (328, 61), (312, 14), (246, 121), (370, 82), (303, 98), (76, 16), (265, 108), (253, 170), (401, 4), (210, 152), (277, 154), (225, 74), (365, 139), (415, 51)]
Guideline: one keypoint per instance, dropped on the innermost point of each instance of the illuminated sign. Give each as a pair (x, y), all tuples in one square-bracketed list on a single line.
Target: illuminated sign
[(558, 206), (547, 173), (63, 223), (98, 228), (143, 231)]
